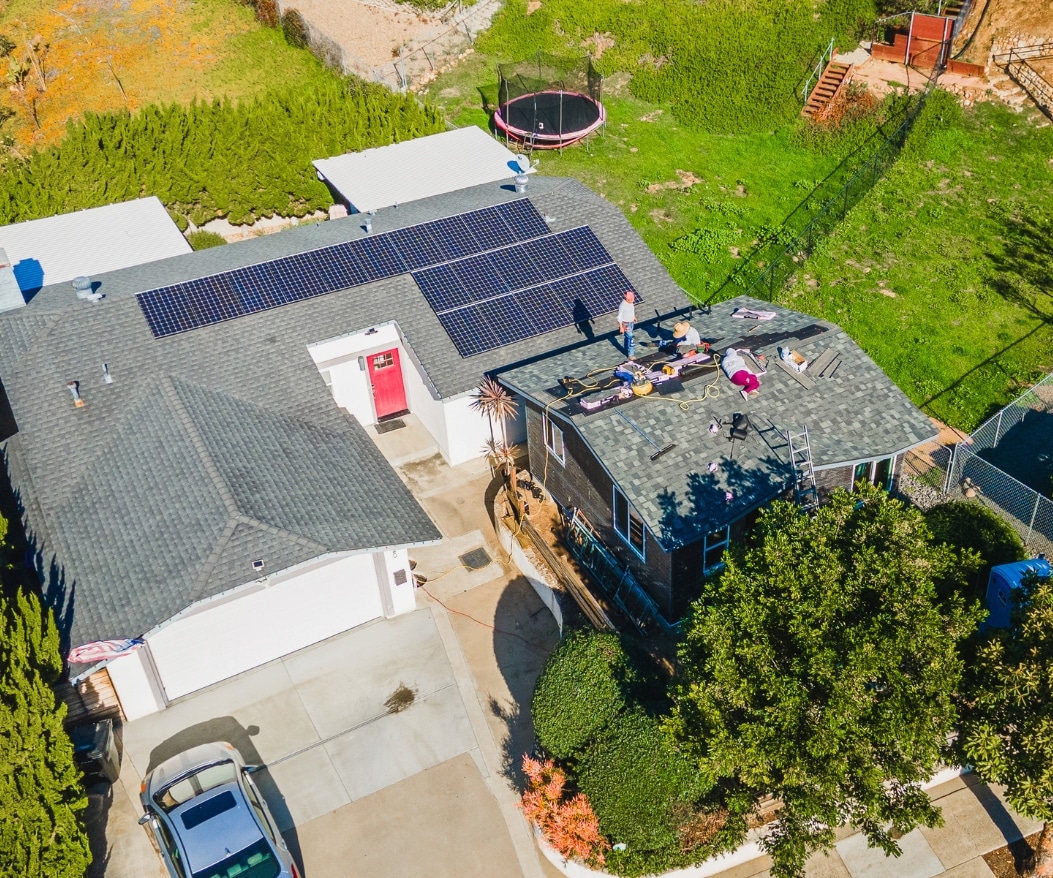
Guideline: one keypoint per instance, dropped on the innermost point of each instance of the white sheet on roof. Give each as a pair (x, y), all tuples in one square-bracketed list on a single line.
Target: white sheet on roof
[(88, 242), (420, 168)]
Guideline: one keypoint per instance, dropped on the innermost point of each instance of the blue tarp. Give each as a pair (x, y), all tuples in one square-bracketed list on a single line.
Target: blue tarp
[(1004, 578)]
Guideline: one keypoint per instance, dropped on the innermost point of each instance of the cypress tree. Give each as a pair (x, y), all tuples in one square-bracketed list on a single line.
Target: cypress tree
[(40, 791)]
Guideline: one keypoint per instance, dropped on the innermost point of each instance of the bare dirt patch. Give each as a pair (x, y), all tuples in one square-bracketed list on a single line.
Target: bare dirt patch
[(533, 6), (685, 180), (598, 43), (1012, 860)]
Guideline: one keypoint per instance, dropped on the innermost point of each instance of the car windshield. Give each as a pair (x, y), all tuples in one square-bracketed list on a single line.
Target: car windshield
[(183, 789), (256, 861)]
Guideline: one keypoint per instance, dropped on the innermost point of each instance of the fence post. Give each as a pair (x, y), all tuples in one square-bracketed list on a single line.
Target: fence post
[(950, 471), (1034, 513)]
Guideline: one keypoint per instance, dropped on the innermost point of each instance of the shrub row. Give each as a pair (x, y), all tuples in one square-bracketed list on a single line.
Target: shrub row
[(595, 708), (208, 160)]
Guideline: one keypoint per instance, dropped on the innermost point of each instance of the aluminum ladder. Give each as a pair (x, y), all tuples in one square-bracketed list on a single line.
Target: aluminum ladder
[(803, 473)]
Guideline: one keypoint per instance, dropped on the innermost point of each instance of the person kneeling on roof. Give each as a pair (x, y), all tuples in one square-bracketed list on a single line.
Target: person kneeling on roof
[(687, 338), (734, 367)]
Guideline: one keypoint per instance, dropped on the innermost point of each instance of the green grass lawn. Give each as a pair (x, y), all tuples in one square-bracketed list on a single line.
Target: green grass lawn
[(943, 273), (672, 181)]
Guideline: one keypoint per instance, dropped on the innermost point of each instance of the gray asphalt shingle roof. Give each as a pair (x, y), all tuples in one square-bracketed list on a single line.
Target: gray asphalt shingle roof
[(857, 414), (222, 445)]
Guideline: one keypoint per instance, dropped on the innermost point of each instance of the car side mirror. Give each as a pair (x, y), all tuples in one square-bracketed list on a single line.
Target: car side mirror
[(252, 769), (144, 819)]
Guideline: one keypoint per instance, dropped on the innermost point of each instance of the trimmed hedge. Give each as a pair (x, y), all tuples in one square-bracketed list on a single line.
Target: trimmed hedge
[(642, 789), (580, 691)]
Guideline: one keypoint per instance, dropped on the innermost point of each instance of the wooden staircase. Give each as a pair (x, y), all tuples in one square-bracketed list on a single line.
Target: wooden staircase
[(826, 89)]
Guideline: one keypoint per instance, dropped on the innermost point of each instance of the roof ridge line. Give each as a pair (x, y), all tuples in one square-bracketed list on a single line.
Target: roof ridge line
[(244, 518), (168, 388)]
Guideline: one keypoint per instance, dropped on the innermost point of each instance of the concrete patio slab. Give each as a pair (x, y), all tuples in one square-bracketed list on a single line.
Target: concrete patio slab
[(916, 861), (442, 823), (431, 731)]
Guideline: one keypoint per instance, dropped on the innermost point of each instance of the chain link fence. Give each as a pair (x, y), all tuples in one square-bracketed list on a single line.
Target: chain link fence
[(935, 473)]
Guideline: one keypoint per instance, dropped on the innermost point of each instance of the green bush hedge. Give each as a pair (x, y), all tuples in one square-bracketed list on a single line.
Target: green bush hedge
[(239, 161), (580, 691), (642, 789), (967, 524)]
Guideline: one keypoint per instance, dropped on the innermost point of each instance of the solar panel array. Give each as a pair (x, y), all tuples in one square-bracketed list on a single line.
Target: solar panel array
[(492, 299), (493, 277)]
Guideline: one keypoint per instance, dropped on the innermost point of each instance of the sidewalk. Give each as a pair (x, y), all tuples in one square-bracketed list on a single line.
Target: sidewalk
[(976, 821), (505, 635)]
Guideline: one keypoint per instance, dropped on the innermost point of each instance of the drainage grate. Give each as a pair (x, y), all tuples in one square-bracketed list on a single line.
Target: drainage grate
[(388, 426), (476, 559)]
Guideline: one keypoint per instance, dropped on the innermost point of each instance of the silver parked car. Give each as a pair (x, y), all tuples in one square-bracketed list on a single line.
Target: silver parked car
[(210, 819)]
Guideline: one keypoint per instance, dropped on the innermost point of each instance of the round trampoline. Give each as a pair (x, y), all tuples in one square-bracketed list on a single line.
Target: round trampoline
[(550, 119), (549, 102)]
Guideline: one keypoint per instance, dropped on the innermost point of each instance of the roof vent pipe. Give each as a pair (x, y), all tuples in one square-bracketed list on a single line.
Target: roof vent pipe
[(74, 388), (521, 183), (107, 378)]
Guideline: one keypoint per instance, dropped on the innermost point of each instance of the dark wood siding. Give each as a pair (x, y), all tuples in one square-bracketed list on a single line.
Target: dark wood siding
[(583, 482)]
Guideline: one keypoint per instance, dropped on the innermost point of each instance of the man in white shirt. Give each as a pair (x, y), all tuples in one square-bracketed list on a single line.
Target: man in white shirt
[(627, 321)]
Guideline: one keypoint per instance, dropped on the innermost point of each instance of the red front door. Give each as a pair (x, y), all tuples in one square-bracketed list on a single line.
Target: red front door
[(385, 374)]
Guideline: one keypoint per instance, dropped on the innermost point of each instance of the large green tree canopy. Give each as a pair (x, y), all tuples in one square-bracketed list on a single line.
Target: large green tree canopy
[(1007, 711), (822, 668)]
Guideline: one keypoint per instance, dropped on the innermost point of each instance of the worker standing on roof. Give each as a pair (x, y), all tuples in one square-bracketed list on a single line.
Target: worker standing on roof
[(734, 367), (627, 321), (687, 338)]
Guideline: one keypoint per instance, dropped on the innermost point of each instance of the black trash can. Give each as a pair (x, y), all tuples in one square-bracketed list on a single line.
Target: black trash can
[(95, 752)]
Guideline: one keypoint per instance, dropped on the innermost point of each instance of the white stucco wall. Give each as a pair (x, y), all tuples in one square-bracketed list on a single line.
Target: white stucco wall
[(398, 597), (135, 684), (242, 629), (459, 431)]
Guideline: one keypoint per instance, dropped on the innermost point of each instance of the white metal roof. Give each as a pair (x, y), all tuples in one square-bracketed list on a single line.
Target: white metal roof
[(59, 248), (420, 168)]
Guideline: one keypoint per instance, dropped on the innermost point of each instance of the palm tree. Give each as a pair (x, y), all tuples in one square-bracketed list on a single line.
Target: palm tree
[(495, 402)]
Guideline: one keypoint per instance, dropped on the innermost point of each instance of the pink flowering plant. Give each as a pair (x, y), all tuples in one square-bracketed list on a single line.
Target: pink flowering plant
[(568, 824)]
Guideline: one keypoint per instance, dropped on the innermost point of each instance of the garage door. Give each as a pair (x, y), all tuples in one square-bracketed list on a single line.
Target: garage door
[(240, 634)]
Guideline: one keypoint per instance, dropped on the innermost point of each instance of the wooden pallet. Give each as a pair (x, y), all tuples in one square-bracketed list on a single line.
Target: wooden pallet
[(827, 89)]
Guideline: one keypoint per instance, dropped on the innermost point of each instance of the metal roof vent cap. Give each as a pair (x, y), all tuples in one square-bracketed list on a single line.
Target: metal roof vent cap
[(521, 181), (85, 289)]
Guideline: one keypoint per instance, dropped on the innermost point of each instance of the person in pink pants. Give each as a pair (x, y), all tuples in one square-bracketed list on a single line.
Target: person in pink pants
[(734, 367)]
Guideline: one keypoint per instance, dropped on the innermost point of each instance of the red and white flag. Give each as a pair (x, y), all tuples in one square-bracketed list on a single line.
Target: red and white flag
[(100, 650)]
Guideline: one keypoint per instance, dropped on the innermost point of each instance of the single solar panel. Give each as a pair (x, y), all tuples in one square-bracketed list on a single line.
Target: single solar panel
[(442, 288), (584, 249), (481, 277)]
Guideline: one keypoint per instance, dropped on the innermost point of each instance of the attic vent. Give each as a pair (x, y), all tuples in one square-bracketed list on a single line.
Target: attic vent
[(258, 565), (85, 289)]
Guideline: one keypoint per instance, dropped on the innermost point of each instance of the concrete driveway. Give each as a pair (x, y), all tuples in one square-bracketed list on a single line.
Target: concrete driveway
[(370, 741)]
